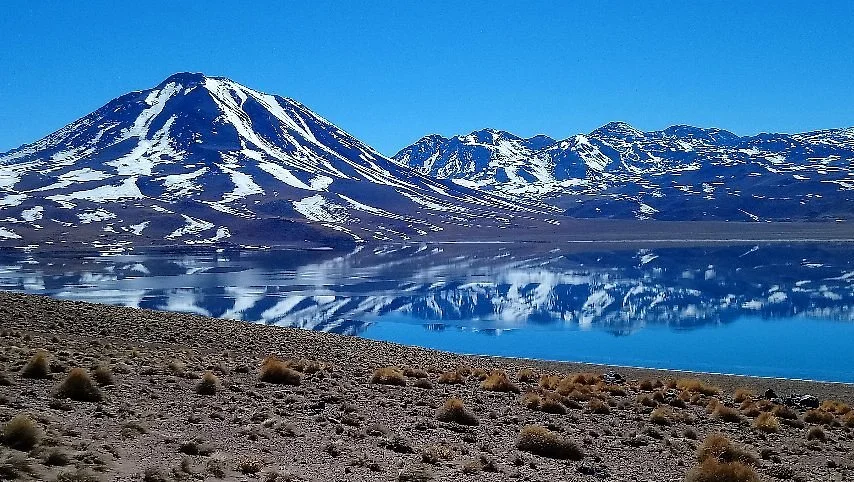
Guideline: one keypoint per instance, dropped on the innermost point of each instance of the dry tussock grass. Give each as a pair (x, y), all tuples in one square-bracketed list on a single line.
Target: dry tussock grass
[(454, 410), (79, 386), (767, 422), (695, 385), (539, 440), (21, 433), (276, 370), (390, 375), (818, 416), (37, 366), (454, 377), (497, 381)]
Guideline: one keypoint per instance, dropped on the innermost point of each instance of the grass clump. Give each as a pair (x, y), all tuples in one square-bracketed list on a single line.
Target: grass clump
[(742, 395), (727, 414), (103, 375), (276, 370), (526, 375), (818, 416), (497, 381), (208, 385), (695, 385), (784, 412), (662, 415), (596, 405), (539, 440), (713, 470), (816, 433), (21, 433), (835, 406), (453, 377), (79, 386), (547, 402), (390, 375), (454, 410), (549, 382), (37, 366), (767, 422), (717, 446), (848, 420)]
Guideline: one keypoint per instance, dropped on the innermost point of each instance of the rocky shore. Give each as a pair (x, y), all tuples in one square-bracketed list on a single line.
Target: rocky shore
[(95, 392)]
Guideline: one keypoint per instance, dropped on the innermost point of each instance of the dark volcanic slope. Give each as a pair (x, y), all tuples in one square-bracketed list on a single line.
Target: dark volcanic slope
[(336, 425), (201, 159)]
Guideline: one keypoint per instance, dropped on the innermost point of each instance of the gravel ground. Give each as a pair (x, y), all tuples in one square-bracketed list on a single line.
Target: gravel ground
[(336, 425)]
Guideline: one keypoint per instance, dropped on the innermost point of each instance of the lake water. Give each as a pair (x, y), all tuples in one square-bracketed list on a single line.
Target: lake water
[(765, 310)]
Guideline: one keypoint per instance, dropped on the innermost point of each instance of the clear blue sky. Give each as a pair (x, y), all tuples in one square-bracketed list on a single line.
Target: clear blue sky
[(390, 72)]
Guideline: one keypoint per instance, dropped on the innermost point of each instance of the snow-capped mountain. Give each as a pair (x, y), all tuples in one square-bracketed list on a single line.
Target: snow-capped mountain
[(201, 159), (679, 173)]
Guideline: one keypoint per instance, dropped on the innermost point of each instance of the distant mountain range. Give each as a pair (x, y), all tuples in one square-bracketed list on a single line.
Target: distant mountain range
[(679, 173), (203, 160)]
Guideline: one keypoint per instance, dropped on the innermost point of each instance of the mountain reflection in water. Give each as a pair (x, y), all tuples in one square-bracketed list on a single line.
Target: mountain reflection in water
[(484, 288)]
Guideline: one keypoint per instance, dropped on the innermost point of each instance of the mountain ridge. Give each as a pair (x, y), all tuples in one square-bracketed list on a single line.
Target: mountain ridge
[(212, 160)]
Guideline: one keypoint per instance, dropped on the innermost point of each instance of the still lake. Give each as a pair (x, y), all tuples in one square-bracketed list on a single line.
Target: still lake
[(779, 310)]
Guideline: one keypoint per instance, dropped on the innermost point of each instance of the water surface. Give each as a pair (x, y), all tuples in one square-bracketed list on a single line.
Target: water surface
[(765, 310)]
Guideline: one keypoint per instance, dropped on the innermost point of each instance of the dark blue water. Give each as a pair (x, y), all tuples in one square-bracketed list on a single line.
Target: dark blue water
[(765, 310)]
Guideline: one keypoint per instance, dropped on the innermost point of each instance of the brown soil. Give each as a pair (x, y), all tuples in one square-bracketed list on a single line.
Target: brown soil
[(158, 422)]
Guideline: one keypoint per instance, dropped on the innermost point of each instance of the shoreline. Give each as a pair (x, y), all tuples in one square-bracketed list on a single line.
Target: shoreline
[(338, 423)]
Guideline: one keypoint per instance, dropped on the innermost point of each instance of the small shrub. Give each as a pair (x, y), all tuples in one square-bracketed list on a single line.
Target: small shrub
[(103, 375), (718, 447), (551, 403), (422, 383), (785, 412), (549, 382), (208, 385), (727, 414), (695, 385), (454, 410), (645, 400), (497, 381), (742, 394), (21, 433), (816, 433), (614, 390), (526, 375), (661, 416), (37, 366), (276, 370), (410, 372), (539, 440), (818, 416), (584, 378), (78, 386), (646, 385), (767, 422), (750, 409), (712, 470), (454, 377), (388, 376), (596, 405), (835, 406), (530, 400), (848, 420)]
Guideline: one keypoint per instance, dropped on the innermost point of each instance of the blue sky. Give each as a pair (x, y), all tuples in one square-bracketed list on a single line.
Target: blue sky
[(390, 72)]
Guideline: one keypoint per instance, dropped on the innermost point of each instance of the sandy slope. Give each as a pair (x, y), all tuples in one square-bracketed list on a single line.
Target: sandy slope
[(336, 424)]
